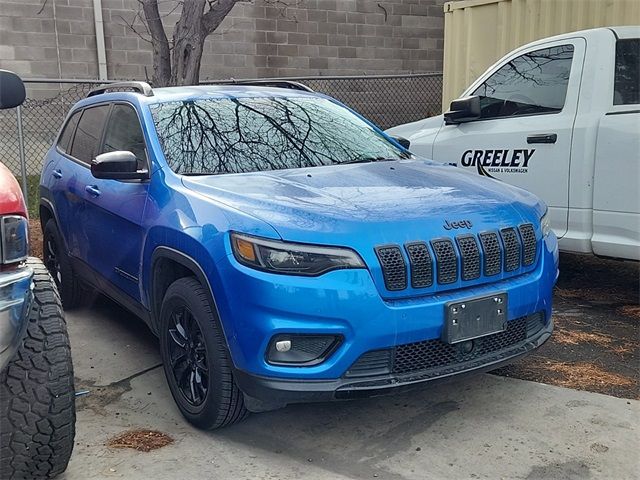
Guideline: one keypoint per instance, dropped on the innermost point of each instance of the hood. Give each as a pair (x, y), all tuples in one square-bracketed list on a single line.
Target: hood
[(361, 205)]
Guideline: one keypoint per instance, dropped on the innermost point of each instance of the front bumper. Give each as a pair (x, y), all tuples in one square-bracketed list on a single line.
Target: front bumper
[(15, 301), (266, 393), (347, 304)]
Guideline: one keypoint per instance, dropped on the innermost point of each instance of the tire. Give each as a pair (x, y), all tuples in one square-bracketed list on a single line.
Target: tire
[(37, 395), (218, 401), (59, 266)]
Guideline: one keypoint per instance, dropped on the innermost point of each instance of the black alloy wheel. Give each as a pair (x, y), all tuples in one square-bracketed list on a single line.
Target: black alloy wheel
[(196, 359), (188, 356)]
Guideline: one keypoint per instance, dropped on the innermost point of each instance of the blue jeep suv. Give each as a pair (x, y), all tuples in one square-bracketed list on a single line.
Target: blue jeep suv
[(286, 250)]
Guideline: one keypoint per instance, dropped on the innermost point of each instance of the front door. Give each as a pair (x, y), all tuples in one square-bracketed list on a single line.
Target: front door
[(523, 135), (112, 224)]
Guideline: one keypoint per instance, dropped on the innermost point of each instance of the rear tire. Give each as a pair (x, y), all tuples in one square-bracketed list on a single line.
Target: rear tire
[(59, 266), (37, 395), (196, 361)]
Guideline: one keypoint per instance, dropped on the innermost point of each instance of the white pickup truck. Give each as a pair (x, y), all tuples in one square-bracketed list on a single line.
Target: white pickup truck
[(559, 117)]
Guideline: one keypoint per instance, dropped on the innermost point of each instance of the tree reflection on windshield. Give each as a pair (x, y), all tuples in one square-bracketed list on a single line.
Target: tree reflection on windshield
[(234, 135)]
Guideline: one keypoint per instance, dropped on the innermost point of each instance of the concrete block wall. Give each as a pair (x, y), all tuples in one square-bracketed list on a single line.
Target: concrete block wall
[(56, 38)]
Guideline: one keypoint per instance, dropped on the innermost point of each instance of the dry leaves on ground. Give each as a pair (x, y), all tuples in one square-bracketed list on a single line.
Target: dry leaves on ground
[(582, 375), (141, 440)]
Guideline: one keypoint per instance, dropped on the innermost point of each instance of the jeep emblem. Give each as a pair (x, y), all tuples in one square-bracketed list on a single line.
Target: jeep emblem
[(459, 224)]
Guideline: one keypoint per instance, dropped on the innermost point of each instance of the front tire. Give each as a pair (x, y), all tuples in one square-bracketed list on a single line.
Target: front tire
[(196, 361), (37, 394), (59, 266)]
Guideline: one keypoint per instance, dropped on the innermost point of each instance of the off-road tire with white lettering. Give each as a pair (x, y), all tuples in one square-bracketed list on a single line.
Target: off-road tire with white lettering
[(37, 395)]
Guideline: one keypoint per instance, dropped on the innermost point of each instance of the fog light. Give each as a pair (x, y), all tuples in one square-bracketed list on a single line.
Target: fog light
[(303, 350), (283, 345)]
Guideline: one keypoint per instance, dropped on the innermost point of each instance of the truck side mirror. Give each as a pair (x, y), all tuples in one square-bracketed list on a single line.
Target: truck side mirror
[(118, 165), (12, 92), (462, 110)]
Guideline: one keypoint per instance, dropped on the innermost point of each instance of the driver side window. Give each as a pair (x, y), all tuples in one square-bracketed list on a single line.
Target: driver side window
[(533, 83), (124, 133)]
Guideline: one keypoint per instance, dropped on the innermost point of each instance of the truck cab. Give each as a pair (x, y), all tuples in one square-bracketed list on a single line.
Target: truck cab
[(559, 117)]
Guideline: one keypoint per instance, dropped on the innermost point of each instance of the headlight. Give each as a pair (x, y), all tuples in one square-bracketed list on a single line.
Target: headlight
[(291, 258), (14, 238), (545, 224)]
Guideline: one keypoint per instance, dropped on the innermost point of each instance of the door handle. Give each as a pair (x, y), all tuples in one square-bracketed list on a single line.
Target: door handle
[(543, 138), (92, 190), (57, 173)]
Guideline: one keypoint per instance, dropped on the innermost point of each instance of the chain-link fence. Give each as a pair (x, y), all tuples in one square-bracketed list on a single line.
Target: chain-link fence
[(28, 132)]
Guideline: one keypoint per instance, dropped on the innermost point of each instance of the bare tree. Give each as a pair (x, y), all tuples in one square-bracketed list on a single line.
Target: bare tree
[(176, 61)]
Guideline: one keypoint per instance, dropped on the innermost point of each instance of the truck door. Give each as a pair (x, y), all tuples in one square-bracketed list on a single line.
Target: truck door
[(523, 136), (616, 199)]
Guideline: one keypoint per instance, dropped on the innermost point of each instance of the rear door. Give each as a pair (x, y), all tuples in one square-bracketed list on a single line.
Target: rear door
[(114, 208), (616, 199), (71, 175), (528, 107)]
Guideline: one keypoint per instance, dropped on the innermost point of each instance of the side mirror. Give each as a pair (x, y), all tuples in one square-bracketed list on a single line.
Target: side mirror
[(119, 165), (402, 141), (462, 110), (12, 92)]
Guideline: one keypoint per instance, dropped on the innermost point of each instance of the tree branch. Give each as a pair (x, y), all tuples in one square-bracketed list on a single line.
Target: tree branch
[(218, 10)]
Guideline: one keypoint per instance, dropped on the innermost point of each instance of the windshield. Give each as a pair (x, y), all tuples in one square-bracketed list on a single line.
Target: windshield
[(238, 135)]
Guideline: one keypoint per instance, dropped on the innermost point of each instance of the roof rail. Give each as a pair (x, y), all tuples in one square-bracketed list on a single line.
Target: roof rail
[(267, 82), (140, 87)]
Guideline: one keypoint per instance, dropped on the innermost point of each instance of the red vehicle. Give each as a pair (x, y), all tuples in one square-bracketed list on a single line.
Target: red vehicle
[(37, 395)]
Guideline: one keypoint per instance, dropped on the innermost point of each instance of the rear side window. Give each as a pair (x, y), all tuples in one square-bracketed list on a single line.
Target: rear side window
[(627, 76), (124, 133), (531, 84), (88, 133), (67, 132)]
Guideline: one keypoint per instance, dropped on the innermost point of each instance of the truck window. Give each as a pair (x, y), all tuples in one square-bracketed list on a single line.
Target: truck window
[(533, 83), (88, 133), (124, 133), (627, 77)]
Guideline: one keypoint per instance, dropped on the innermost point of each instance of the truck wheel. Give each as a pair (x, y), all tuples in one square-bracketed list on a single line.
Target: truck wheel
[(37, 395), (196, 361), (59, 266)]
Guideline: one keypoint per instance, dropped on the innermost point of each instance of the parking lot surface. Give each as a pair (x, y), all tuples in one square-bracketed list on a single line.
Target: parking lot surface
[(486, 427)]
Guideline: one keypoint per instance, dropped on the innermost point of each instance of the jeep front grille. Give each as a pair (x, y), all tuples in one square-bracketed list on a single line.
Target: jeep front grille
[(466, 257)]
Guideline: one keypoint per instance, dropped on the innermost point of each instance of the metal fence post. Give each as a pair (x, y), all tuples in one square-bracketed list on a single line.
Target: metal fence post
[(23, 160)]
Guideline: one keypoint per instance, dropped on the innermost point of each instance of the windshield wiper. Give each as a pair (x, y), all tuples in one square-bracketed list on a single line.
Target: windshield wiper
[(368, 160)]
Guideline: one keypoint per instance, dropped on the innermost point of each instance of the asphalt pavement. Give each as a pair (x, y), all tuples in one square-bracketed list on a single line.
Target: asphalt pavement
[(484, 427)]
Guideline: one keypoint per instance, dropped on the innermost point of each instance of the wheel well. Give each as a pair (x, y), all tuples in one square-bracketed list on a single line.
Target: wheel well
[(165, 272), (45, 216)]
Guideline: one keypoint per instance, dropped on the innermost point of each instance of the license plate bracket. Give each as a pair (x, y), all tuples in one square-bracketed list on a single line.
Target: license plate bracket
[(475, 317)]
